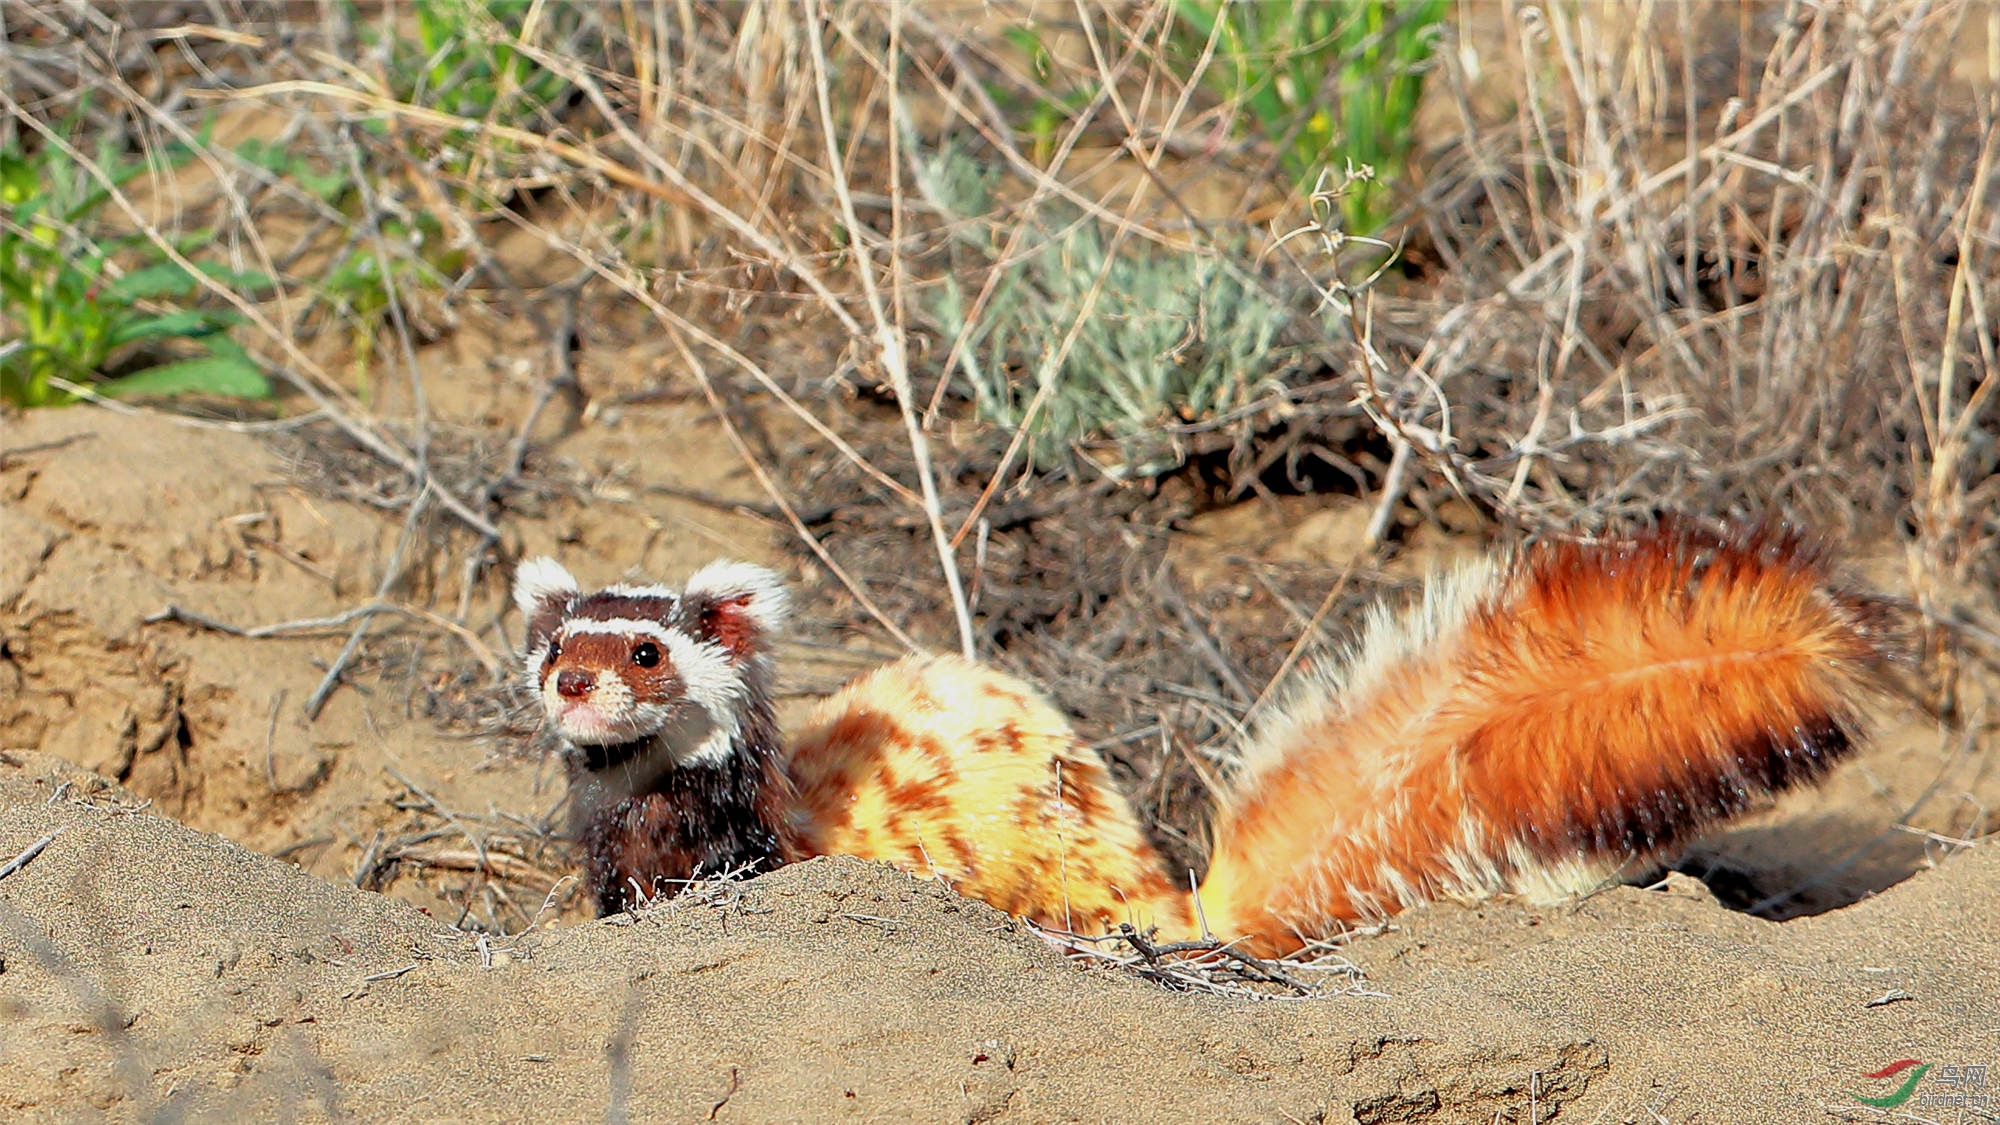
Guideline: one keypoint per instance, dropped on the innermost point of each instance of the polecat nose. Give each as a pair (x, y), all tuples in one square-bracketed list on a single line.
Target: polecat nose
[(574, 683)]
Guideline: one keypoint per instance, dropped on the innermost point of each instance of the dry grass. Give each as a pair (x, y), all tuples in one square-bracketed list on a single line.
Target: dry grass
[(1212, 967), (1747, 279)]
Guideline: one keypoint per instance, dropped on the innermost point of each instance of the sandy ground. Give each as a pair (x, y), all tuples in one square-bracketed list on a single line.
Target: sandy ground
[(193, 944), (151, 968)]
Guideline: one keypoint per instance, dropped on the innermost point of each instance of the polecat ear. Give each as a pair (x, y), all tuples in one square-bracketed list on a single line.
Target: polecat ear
[(737, 605), (543, 590)]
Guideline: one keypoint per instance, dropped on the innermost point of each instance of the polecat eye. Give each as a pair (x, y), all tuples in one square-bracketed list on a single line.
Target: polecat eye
[(646, 655), (555, 650)]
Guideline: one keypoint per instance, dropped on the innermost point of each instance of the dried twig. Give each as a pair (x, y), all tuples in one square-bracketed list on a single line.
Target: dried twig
[(309, 626), (29, 853), (497, 864), (1204, 644), (391, 574), (1213, 966), (888, 335), (9, 456)]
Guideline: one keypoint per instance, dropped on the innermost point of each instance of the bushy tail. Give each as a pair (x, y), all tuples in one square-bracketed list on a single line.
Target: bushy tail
[(1533, 725)]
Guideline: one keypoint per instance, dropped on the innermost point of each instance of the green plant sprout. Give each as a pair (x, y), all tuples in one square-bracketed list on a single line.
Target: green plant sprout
[(1331, 83), (72, 314), (1044, 112), (466, 59)]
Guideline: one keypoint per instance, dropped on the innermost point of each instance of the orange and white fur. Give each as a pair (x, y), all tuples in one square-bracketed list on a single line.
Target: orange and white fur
[(1531, 725)]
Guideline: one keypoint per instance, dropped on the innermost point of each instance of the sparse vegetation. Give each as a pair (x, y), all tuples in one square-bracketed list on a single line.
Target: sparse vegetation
[(1176, 337), (1084, 231), (1603, 257)]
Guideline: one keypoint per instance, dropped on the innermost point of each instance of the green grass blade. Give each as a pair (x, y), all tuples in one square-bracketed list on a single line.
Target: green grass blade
[(186, 322), (167, 279), (227, 374)]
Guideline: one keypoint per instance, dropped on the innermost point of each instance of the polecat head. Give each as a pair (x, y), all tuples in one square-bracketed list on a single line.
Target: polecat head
[(628, 663)]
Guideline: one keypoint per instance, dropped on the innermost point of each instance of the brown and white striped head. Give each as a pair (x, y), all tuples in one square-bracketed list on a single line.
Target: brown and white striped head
[(628, 664)]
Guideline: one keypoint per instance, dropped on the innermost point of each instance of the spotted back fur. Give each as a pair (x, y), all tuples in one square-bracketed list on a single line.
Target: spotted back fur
[(950, 769)]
